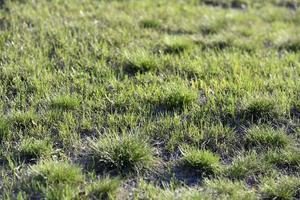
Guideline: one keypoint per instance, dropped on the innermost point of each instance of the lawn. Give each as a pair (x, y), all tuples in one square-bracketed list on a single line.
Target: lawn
[(150, 99)]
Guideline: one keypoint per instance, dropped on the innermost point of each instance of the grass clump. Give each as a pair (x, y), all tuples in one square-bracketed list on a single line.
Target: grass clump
[(266, 137), (227, 189), (176, 46), (31, 148), (285, 188), (260, 110), (104, 189), (236, 4), (291, 4), (54, 180), (204, 161), (216, 43), (221, 139), (125, 153), (24, 120), (140, 62), (288, 160), (176, 97), (150, 23), (4, 129), (245, 166), (295, 109), (55, 172), (292, 45), (65, 102)]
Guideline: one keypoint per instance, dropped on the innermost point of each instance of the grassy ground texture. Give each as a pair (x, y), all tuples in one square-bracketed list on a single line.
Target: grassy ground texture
[(166, 99)]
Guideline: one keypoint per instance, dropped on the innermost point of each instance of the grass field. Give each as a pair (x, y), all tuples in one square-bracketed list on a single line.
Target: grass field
[(163, 99)]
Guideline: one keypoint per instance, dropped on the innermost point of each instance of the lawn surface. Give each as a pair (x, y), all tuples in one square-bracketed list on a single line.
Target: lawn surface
[(164, 99)]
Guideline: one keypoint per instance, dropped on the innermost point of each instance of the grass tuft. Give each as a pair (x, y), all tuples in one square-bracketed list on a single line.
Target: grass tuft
[(295, 109), (284, 159), (292, 45), (206, 162), (266, 137), (150, 23), (245, 166), (284, 188), (24, 120), (260, 110), (176, 46), (221, 139), (126, 153), (176, 97), (229, 189), (65, 102), (55, 173), (31, 148), (140, 62), (53, 180), (104, 189), (4, 129)]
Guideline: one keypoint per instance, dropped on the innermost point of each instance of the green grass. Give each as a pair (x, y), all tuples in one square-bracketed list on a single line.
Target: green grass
[(65, 102), (260, 110), (3, 128), (105, 188), (176, 97), (127, 153), (91, 89), (288, 160), (228, 189), (32, 148), (53, 179), (176, 46), (140, 62), (150, 23), (247, 166), (281, 188), (266, 137), (205, 162)]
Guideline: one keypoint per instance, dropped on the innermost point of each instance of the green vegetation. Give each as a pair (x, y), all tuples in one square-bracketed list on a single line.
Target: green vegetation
[(227, 189), (123, 153), (53, 179), (106, 188), (281, 188), (203, 161), (264, 137), (163, 99), (32, 148), (247, 166), (65, 103)]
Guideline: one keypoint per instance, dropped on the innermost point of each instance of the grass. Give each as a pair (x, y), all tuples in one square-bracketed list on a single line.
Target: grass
[(247, 166), (176, 46), (280, 188), (53, 179), (288, 160), (103, 189), (203, 161), (55, 173), (3, 128), (127, 153), (150, 23), (32, 149), (140, 62), (260, 110), (65, 102), (228, 189), (91, 89), (266, 137)]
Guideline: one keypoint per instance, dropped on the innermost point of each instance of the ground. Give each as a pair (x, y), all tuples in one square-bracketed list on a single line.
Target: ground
[(164, 99)]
